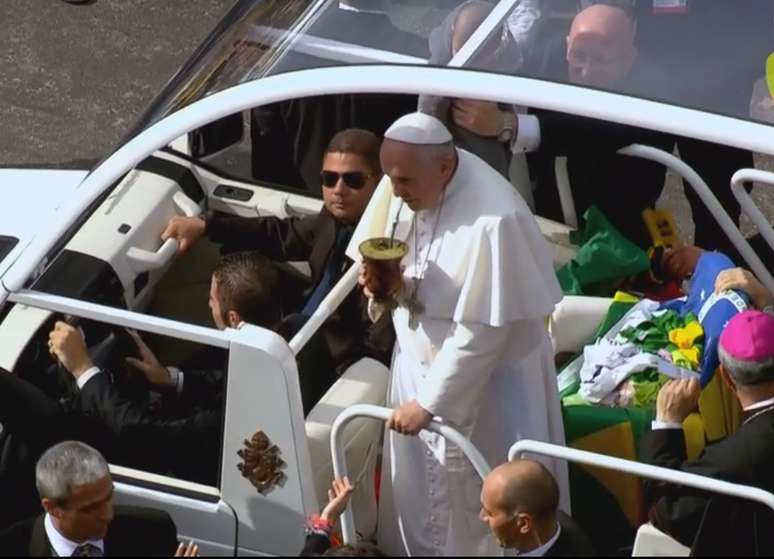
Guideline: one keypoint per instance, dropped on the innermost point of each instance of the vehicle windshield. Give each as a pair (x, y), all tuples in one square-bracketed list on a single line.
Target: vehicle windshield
[(6, 245), (682, 52)]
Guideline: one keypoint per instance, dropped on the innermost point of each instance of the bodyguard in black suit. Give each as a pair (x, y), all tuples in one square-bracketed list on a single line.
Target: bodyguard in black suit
[(519, 502), (711, 53), (138, 437), (349, 176), (709, 523), (76, 493), (599, 52), (133, 532), (31, 422), (189, 447), (185, 435)]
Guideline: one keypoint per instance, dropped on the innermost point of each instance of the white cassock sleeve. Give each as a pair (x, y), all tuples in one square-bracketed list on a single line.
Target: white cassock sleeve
[(468, 357)]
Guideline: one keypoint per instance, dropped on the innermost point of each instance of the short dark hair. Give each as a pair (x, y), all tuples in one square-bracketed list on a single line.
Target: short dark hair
[(360, 549), (248, 284), (358, 142)]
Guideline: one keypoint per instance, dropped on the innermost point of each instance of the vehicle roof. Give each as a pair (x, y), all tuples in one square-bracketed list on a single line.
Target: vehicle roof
[(36, 194), (262, 38)]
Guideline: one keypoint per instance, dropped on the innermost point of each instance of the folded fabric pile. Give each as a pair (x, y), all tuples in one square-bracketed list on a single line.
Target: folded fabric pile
[(628, 366), (604, 261)]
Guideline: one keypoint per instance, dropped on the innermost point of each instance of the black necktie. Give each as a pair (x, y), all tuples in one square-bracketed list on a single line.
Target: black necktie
[(87, 550), (332, 270)]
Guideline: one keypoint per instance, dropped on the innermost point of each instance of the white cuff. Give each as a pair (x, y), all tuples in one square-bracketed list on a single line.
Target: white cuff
[(664, 425), (177, 376), (528, 134), (87, 376)]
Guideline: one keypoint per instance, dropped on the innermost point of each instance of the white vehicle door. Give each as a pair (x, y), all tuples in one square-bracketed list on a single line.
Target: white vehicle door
[(257, 508)]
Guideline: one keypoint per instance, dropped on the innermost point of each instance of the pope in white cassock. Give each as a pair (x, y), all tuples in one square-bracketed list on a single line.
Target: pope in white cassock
[(472, 347)]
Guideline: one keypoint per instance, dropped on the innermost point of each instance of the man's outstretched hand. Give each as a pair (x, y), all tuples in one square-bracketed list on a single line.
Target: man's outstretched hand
[(156, 373)]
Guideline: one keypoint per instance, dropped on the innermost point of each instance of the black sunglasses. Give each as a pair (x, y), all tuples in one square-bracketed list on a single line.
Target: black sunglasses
[(354, 179)]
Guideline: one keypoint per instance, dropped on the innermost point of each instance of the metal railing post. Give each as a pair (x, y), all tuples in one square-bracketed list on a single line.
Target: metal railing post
[(377, 412), (710, 200), (668, 475)]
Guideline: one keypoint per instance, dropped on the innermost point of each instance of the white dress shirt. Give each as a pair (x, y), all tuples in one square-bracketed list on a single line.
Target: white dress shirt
[(61, 545), (528, 136), (175, 374), (660, 425), (543, 549)]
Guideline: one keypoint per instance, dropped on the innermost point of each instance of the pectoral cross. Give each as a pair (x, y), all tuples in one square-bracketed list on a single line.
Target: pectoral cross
[(414, 306)]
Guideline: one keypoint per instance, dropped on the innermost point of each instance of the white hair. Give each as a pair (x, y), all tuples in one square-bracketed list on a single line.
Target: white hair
[(67, 465), (747, 373), (438, 152)]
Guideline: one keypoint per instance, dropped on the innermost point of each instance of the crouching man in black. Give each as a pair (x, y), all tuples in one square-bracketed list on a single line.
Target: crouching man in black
[(187, 442)]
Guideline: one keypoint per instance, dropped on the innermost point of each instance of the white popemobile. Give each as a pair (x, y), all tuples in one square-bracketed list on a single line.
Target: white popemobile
[(86, 244)]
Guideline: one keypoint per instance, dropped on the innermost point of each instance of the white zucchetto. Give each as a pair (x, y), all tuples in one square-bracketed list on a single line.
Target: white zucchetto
[(420, 129)]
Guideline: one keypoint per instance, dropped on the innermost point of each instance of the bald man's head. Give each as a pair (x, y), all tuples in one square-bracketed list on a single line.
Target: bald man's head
[(519, 499), (600, 46)]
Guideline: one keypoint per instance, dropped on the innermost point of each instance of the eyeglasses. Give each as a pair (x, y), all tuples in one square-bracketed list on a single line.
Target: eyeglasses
[(354, 179)]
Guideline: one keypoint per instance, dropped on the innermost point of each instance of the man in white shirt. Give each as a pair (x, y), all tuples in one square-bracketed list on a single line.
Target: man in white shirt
[(76, 493), (519, 503), (472, 346)]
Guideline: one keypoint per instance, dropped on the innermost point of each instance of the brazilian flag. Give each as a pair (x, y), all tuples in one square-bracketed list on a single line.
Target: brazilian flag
[(610, 505)]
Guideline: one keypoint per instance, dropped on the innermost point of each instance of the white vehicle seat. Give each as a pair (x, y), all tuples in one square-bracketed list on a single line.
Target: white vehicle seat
[(575, 320), (652, 542), (365, 382), (558, 235)]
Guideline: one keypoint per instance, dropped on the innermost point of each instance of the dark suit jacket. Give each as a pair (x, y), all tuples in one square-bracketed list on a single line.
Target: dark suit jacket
[(188, 446), (204, 384), (349, 333), (572, 541), (711, 54), (620, 186), (289, 137), (728, 526), (32, 422), (134, 531)]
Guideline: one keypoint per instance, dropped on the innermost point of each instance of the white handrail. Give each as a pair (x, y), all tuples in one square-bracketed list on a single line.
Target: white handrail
[(471, 47), (441, 82), (336, 50), (326, 308), (121, 317), (709, 200), (566, 200), (377, 412), (643, 470), (748, 204)]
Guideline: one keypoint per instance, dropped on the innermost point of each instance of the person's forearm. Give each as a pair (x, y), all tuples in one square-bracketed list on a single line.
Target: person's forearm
[(274, 237)]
